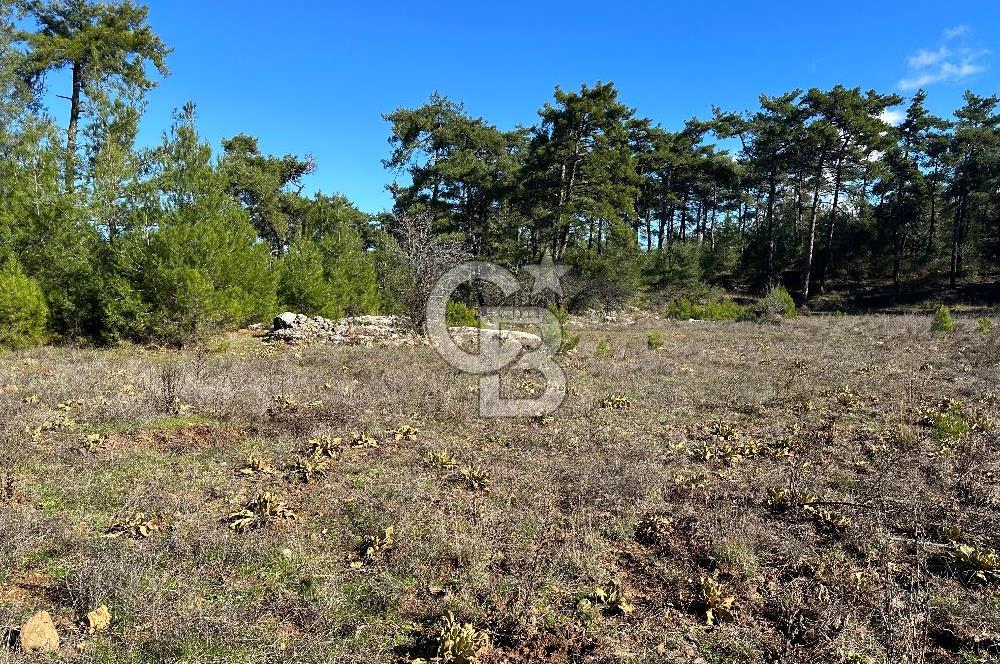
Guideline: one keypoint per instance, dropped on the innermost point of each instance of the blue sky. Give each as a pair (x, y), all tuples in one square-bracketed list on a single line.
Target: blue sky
[(316, 77)]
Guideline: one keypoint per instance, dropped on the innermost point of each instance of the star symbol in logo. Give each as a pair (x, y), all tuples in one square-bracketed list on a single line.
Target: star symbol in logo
[(546, 275)]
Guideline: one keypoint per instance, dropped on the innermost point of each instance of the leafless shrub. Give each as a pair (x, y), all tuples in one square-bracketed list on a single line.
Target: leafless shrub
[(426, 257)]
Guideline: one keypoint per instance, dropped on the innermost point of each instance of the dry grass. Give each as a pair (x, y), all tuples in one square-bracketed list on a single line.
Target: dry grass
[(788, 469)]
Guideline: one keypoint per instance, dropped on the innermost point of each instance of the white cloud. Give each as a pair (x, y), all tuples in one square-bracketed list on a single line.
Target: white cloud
[(892, 116), (924, 58), (958, 70), (945, 63), (957, 31)]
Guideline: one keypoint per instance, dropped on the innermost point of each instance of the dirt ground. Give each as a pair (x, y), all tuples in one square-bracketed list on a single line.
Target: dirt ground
[(825, 490)]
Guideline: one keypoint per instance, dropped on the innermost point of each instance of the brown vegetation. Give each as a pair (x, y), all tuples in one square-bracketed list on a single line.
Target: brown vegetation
[(826, 490)]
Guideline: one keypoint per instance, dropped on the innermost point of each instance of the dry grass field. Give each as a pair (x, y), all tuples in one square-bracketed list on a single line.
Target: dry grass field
[(826, 490)]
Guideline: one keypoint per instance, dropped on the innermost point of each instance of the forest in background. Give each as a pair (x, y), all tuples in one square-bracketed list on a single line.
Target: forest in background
[(104, 241)]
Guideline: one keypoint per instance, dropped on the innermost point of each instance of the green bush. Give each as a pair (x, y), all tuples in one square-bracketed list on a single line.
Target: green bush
[(723, 310), (303, 286), (719, 310), (950, 423), (942, 322), (654, 341), (351, 271), (460, 314), (772, 308), (206, 277), (985, 326), (603, 349), (683, 309), (782, 299), (23, 311), (331, 277)]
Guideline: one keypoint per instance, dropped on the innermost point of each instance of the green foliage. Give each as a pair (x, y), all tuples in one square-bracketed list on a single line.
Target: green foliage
[(460, 314), (23, 311), (942, 322), (608, 278), (263, 184), (569, 343), (948, 421), (206, 277), (773, 307), (719, 309), (459, 643), (985, 326), (603, 349), (683, 309), (303, 286), (351, 272), (203, 270), (724, 309), (654, 341), (683, 268), (331, 276), (782, 299)]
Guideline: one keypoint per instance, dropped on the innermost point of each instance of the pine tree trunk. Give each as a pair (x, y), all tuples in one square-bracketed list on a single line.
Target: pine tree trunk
[(683, 220), (930, 232), (828, 263), (74, 125), (649, 231), (771, 189), (813, 215), (955, 239)]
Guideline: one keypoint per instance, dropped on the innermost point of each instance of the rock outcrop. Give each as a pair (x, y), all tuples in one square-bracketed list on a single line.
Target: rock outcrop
[(391, 331), (352, 331)]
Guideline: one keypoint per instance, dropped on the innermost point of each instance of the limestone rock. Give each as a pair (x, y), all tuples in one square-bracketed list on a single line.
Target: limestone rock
[(351, 331), (39, 634), (284, 321), (526, 339)]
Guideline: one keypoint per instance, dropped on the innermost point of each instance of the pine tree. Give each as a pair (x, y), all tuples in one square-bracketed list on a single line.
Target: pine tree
[(202, 269), (104, 45)]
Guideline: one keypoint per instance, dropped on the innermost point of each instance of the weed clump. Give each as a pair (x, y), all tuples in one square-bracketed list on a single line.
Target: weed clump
[(948, 421), (613, 599), (457, 643), (654, 341), (259, 512), (982, 564), (718, 604)]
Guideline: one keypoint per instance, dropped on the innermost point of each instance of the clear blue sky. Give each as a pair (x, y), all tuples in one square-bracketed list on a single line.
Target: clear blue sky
[(316, 76)]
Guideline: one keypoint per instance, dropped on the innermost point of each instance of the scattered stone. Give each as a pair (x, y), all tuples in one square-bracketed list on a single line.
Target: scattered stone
[(39, 634)]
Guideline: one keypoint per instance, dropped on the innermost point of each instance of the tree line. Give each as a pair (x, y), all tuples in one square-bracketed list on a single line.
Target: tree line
[(811, 188), (106, 241)]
